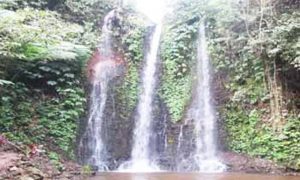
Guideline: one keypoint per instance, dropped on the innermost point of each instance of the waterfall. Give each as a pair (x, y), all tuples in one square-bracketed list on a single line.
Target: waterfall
[(91, 143), (203, 113), (106, 43), (201, 158), (140, 155), (93, 134), (179, 138)]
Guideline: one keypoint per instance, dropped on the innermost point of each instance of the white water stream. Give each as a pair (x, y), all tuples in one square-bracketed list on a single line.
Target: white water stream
[(204, 157), (140, 155), (203, 113), (103, 72)]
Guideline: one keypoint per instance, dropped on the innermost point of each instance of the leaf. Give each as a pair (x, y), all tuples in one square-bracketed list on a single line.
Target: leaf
[(5, 82), (52, 83)]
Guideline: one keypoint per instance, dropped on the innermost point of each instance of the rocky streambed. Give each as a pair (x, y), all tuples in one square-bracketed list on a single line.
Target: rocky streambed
[(21, 164)]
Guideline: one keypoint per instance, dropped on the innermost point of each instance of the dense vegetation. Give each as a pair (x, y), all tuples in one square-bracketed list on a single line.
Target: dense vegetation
[(178, 60), (254, 46), (42, 64), (258, 49), (44, 48)]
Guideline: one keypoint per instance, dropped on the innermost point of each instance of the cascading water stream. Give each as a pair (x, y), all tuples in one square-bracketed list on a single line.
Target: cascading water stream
[(95, 144), (140, 155), (103, 71), (180, 138), (203, 113), (165, 134)]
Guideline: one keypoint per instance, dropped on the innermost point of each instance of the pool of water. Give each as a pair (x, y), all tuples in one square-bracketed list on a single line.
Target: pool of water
[(188, 176)]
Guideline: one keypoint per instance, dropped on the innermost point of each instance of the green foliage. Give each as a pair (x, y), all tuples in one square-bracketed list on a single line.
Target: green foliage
[(88, 13), (242, 43), (178, 58), (34, 35), (16, 4), (283, 41), (86, 10), (133, 46), (46, 108), (16, 111), (58, 118), (42, 56), (55, 160), (46, 99), (86, 170), (5, 82), (249, 134), (43, 52)]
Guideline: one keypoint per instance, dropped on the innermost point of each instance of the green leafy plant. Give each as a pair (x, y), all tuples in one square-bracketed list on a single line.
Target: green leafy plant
[(55, 160), (178, 58), (38, 35), (86, 170)]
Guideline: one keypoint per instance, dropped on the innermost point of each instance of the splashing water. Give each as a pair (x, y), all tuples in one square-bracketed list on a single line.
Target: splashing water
[(203, 113), (180, 137), (140, 155)]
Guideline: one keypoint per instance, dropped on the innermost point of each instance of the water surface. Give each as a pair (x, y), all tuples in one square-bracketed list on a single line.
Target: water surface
[(189, 176)]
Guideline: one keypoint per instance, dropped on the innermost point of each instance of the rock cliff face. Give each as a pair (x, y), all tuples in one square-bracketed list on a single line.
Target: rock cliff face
[(117, 130), (170, 143), (119, 116)]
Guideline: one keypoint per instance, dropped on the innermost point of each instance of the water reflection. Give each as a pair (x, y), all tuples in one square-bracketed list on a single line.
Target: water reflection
[(189, 176)]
